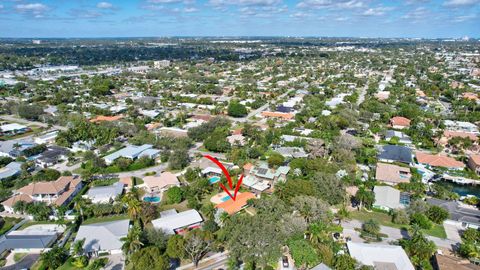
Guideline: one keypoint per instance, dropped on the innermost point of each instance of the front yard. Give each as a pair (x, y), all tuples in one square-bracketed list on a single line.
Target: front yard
[(386, 220)]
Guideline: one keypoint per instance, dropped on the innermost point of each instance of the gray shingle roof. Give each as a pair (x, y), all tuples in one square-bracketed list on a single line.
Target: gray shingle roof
[(103, 236)]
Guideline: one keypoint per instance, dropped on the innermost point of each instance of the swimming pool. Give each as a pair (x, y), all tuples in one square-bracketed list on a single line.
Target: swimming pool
[(214, 179), (226, 198), (152, 199)]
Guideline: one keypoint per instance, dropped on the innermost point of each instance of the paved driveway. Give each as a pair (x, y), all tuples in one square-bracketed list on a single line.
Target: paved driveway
[(115, 262), (25, 263)]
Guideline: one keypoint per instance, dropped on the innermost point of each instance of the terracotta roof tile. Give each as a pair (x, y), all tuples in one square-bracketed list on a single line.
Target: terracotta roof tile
[(438, 160), (232, 207)]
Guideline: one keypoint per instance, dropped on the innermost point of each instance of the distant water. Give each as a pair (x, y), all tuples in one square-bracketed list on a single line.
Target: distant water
[(463, 190)]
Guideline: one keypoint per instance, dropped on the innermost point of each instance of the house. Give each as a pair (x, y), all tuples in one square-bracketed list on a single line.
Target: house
[(172, 222), (291, 152), (395, 153), (105, 194), (81, 146), (460, 215), (46, 138), (392, 174), (388, 198), (51, 156), (15, 148), (399, 122), (58, 192), (321, 266), (13, 129), (261, 177), (460, 126), (236, 139), (438, 161), (448, 135), (103, 237), (28, 240), (132, 152), (387, 257), (402, 137), (474, 163), (446, 262), (278, 115), (102, 118), (233, 206), (160, 183), (127, 182), (10, 170)]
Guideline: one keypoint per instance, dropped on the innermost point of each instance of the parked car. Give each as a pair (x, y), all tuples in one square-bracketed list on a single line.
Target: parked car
[(285, 261)]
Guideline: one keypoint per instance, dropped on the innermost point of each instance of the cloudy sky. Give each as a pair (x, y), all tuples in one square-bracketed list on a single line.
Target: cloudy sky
[(135, 18)]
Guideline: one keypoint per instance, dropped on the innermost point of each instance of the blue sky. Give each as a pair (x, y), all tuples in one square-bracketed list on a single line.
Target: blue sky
[(136, 18)]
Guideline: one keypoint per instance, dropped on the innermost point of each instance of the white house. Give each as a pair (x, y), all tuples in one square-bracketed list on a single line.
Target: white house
[(103, 237)]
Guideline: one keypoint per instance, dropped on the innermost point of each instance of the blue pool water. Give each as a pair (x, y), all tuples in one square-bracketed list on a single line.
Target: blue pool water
[(214, 179), (152, 199), (226, 198)]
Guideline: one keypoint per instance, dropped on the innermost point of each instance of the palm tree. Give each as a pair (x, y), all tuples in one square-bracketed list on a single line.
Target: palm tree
[(78, 247), (343, 214), (79, 205), (134, 206), (132, 242)]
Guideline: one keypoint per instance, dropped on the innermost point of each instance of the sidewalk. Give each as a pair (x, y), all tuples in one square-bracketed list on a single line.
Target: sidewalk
[(216, 260)]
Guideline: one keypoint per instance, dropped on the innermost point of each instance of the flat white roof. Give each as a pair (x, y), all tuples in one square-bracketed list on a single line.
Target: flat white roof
[(171, 222), (377, 255)]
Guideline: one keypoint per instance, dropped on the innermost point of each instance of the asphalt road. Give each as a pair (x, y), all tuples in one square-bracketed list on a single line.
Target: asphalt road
[(28, 122), (25, 263)]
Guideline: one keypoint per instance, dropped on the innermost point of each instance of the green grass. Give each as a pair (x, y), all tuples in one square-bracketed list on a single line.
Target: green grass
[(19, 256), (104, 219), (437, 231), (9, 223), (31, 223), (386, 220), (68, 265)]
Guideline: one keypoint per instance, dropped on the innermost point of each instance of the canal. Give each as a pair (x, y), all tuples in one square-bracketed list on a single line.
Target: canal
[(462, 190)]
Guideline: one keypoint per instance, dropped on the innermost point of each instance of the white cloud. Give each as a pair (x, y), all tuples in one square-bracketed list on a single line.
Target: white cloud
[(331, 4), (244, 2), (378, 11), (190, 9), (460, 3), (464, 18), (105, 5), (416, 14), (37, 10)]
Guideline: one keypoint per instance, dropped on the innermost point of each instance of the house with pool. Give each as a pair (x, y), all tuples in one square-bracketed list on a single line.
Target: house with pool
[(212, 173), (223, 202), (156, 185)]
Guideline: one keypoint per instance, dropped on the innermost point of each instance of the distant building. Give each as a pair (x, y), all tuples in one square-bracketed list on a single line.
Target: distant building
[(399, 122), (402, 137), (10, 170), (133, 152), (46, 138), (474, 163), (161, 64), (13, 129)]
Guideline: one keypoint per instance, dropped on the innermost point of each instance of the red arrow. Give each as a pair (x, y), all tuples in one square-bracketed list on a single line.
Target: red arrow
[(227, 175)]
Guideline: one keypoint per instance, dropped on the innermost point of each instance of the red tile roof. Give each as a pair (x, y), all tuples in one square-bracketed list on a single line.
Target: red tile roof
[(438, 160), (286, 116), (400, 121), (232, 207), (102, 118)]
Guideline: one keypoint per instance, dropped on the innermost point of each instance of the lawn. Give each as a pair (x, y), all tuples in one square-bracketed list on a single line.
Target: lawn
[(104, 219), (68, 265), (19, 256), (386, 220), (31, 223), (9, 223)]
